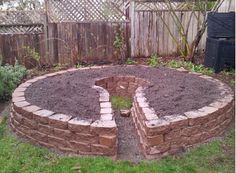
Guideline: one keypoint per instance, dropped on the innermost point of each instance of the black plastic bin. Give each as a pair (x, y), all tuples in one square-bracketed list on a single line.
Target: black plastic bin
[(221, 25), (219, 53), (220, 43)]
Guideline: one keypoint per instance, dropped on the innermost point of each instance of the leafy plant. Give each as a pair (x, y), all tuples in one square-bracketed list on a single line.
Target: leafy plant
[(130, 61), (153, 60), (32, 54), (119, 44), (190, 66), (119, 102), (78, 65), (60, 66), (10, 77)]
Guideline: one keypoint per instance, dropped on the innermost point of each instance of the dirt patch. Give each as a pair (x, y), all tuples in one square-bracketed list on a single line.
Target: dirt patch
[(128, 145), (170, 92)]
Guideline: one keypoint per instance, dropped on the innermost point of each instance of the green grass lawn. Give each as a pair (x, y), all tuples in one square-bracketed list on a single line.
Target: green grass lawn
[(20, 157)]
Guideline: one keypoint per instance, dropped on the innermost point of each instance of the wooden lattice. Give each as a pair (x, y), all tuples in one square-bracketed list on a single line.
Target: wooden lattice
[(86, 10), (161, 5), (21, 29), (21, 17)]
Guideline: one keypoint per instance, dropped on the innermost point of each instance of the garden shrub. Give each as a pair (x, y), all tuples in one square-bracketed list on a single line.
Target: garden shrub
[(10, 77)]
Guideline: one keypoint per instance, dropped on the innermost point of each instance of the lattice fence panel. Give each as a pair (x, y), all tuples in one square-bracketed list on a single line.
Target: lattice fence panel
[(86, 10), (21, 29), (21, 17)]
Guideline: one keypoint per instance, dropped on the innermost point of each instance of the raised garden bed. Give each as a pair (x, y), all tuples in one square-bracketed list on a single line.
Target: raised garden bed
[(71, 110)]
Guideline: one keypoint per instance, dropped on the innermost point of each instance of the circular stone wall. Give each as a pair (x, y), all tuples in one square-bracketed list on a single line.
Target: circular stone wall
[(95, 132)]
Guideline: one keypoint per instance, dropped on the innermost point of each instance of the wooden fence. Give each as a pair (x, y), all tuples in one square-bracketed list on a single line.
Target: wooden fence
[(16, 46), (91, 40), (149, 34), (71, 43)]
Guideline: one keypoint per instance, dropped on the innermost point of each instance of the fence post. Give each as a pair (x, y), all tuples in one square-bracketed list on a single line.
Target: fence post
[(132, 23), (46, 33)]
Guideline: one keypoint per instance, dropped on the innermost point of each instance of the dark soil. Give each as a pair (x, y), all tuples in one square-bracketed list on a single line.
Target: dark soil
[(170, 92), (128, 145)]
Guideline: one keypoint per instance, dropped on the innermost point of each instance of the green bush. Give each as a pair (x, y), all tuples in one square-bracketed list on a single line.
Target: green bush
[(10, 77)]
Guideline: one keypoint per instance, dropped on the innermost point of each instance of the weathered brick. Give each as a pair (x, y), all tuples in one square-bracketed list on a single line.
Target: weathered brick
[(111, 85), (24, 85), (59, 120), (72, 70), (106, 111), (104, 97), (99, 149), (32, 124), (20, 89), (19, 105), (40, 78), (45, 144), (67, 150), (108, 140), (40, 136), (81, 126), (58, 142), (173, 134), (118, 78), (18, 99), (18, 93), (149, 114), (142, 102), (199, 116), (129, 78), (105, 104), (64, 134), (195, 139), (191, 130), (28, 111), (106, 117), (104, 127), (18, 117), (159, 148), (25, 129), (80, 146), (155, 140), (158, 126), (45, 129), (42, 116), (85, 138), (177, 121), (122, 84)]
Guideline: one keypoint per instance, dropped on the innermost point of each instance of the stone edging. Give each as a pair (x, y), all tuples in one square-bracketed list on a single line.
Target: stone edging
[(62, 132), (158, 136), (161, 136)]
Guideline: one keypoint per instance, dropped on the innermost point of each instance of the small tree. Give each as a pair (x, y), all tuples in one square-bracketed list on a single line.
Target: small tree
[(188, 49)]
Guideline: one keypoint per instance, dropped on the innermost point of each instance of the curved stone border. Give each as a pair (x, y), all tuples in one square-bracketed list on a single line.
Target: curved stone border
[(158, 136), (59, 131), (161, 136)]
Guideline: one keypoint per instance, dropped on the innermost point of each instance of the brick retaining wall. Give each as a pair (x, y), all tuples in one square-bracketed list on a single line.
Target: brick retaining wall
[(158, 136)]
